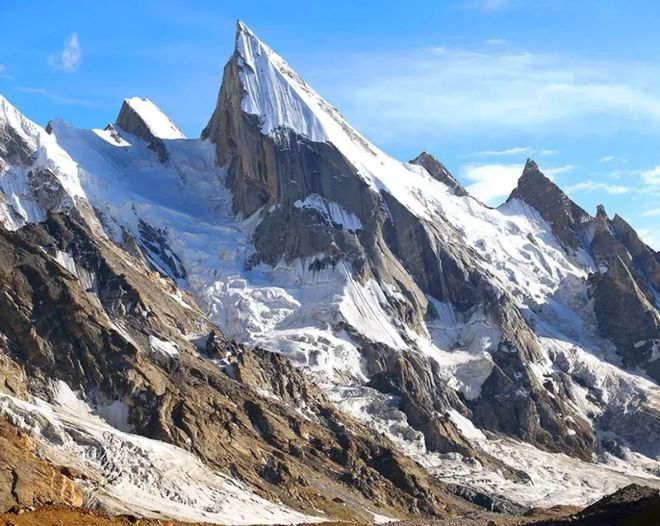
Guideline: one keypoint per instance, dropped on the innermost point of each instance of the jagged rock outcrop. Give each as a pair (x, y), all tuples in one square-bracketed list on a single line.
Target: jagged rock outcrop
[(28, 480), (566, 219), (633, 505), (31, 183), (142, 118), (447, 325), (647, 259), (439, 172), (14, 148), (624, 299), (624, 283)]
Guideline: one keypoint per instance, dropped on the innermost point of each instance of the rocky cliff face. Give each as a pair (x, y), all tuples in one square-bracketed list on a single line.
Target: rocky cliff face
[(142, 118), (623, 283), (273, 173), (568, 220)]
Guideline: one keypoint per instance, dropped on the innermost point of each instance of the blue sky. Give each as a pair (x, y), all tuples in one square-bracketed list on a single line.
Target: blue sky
[(482, 84)]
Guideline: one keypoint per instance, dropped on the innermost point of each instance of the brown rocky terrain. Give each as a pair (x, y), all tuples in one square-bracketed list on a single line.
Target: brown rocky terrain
[(326, 462), (66, 516), (26, 480)]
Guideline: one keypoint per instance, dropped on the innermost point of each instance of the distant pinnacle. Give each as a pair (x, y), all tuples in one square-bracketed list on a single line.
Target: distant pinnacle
[(531, 166), (600, 211), (242, 28), (438, 171)]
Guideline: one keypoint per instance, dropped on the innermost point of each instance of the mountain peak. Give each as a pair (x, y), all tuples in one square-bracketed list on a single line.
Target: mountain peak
[(531, 182), (531, 167), (274, 92), (562, 214), (142, 118), (241, 28), (438, 171)]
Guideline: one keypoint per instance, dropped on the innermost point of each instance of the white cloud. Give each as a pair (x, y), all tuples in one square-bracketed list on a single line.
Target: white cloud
[(652, 176), (491, 181), (591, 186), (495, 41), (498, 153), (69, 58), (550, 173), (652, 213), (607, 159), (650, 237), (59, 99), (548, 152), (439, 92)]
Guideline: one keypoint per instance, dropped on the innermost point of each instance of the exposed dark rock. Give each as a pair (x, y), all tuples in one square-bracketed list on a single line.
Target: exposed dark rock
[(438, 171), (564, 217), (625, 288), (114, 133), (130, 121), (630, 506), (647, 259), (624, 299), (13, 148), (486, 501), (624, 313), (269, 173), (159, 253)]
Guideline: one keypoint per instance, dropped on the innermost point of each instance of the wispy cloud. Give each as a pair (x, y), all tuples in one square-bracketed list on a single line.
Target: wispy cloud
[(59, 99), (651, 177), (501, 153), (515, 151), (593, 186), (69, 58), (4, 74), (607, 159), (652, 213), (495, 41), (440, 92), (490, 5), (491, 181), (551, 173)]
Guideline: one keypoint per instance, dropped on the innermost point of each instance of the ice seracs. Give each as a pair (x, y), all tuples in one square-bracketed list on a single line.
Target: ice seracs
[(150, 477), (36, 175)]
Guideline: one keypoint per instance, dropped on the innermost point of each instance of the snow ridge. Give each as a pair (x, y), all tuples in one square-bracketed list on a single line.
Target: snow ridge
[(153, 117)]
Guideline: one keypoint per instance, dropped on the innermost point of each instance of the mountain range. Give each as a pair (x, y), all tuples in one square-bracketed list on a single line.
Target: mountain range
[(278, 322)]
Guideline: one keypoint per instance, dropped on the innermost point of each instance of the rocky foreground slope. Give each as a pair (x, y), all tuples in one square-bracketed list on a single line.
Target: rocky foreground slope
[(278, 322)]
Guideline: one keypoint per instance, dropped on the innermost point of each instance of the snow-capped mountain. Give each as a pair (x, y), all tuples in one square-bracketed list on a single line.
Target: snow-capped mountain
[(507, 356)]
